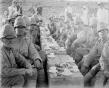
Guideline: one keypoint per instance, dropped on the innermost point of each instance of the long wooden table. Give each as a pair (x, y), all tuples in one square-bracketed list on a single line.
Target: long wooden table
[(62, 69)]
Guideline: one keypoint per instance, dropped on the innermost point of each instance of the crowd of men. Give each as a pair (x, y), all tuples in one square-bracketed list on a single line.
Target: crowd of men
[(86, 43), (22, 56)]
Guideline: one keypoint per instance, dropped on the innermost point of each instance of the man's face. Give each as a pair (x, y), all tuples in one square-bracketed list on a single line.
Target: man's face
[(9, 42), (20, 31), (103, 34), (15, 3), (34, 27), (101, 6), (20, 3)]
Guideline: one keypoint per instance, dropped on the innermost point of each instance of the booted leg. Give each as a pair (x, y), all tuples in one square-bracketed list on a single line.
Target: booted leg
[(107, 83), (99, 80), (42, 80), (84, 70), (31, 81), (90, 76)]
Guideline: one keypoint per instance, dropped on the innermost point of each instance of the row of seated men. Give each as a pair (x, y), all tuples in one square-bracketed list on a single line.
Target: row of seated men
[(92, 59), (21, 55)]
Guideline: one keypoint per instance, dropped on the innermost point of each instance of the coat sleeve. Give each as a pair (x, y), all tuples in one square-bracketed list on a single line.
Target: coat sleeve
[(69, 44), (21, 60), (104, 59), (78, 42), (33, 53), (91, 56), (7, 70)]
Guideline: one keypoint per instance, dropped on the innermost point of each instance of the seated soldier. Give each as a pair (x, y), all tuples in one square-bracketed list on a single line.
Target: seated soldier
[(93, 57), (34, 37), (34, 33), (14, 66), (102, 77), (69, 42), (26, 47), (74, 50), (27, 22), (63, 39), (38, 22)]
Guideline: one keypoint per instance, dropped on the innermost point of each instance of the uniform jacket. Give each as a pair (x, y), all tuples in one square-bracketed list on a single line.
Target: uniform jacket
[(25, 47), (11, 60), (94, 53)]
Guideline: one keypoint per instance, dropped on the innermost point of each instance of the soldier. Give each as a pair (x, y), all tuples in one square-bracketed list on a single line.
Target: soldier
[(102, 77), (102, 13), (27, 21), (69, 42), (92, 59), (14, 11), (62, 38), (35, 33), (26, 47), (85, 17), (68, 13), (39, 21), (39, 10), (80, 46), (14, 65), (34, 37)]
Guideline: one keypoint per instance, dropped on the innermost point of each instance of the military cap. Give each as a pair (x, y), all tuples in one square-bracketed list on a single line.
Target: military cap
[(33, 20), (26, 19), (103, 29), (8, 31), (19, 22)]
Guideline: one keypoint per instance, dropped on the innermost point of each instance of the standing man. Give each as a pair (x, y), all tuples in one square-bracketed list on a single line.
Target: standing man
[(13, 9), (84, 17), (68, 13), (102, 17), (19, 7)]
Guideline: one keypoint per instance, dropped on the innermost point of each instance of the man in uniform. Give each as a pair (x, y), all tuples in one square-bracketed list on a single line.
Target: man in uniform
[(34, 33), (80, 46), (102, 77), (69, 42), (14, 66), (85, 17), (14, 11), (27, 49), (102, 16), (68, 13), (92, 59), (25, 46)]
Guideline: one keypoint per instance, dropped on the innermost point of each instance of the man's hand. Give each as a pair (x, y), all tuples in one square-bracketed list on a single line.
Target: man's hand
[(29, 66), (106, 73), (29, 71), (38, 64)]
